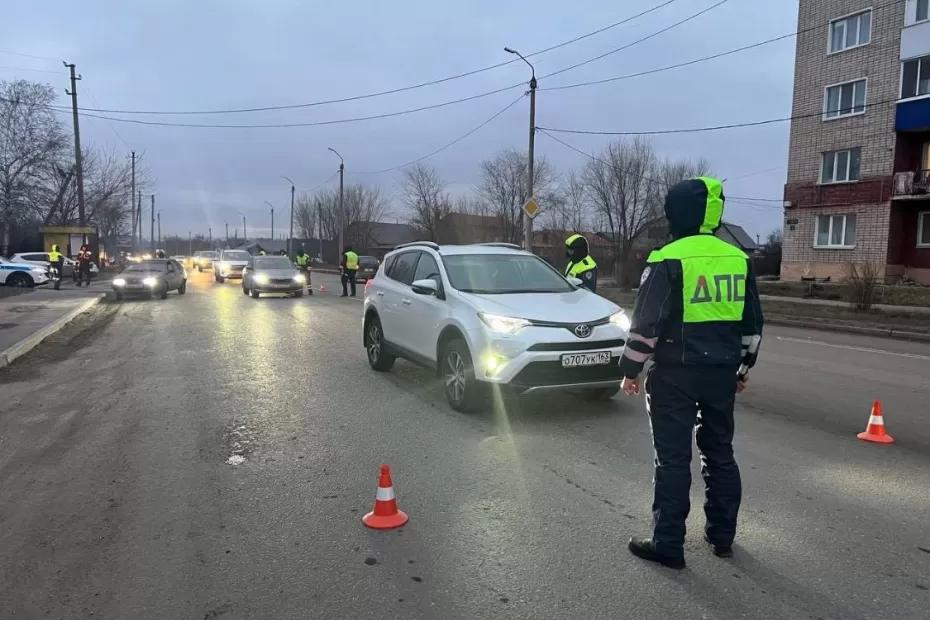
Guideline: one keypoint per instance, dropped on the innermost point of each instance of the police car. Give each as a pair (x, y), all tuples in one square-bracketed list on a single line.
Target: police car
[(22, 274)]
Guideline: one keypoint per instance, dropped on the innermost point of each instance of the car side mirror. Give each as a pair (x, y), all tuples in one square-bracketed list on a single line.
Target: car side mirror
[(425, 287), (575, 281)]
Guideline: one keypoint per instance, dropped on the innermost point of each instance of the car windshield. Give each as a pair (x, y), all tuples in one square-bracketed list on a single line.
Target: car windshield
[(273, 262), (208, 254), (148, 265), (367, 261), (503, 273), (237, 255)]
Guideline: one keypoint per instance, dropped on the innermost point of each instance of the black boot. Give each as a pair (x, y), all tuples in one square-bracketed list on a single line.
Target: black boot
[(721, 551), (645, 548)]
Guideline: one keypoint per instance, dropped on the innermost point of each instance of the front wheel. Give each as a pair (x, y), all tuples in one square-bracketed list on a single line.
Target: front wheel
[(119, 297), (183, 288), (378, 358), (254, 294), (199, 269), (164, 292), (463, 391), (20, 280), (299, 293)]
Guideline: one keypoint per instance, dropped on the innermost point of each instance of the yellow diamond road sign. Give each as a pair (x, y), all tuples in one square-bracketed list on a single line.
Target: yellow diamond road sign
[(531, 207)]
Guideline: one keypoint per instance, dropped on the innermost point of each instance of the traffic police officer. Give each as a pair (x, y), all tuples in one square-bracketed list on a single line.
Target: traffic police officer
[(303, 264), (698, 314), (580, 263), (57, 260), (349, 269)]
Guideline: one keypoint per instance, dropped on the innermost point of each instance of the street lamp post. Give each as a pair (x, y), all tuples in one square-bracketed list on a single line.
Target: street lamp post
[(290, 236), (272, 218), (527, 220), (342, 167)]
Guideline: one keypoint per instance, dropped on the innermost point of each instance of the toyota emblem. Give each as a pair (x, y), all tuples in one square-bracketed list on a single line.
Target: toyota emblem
[(583, 330)]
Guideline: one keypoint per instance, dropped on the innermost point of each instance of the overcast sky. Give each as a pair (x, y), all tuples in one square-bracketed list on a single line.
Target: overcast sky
[(212, 54)]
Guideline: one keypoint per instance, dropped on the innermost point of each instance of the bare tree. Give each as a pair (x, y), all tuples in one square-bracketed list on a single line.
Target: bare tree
[(364, 205), (626, 185), (567, 208), (425, 196), (31, 139), (306, 216), (503, 188)]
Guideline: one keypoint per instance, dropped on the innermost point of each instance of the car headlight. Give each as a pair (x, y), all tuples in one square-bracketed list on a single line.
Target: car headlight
[(503, 324), (300, 278), (150, 281), (260, 278), (119, 282), (621, 320)]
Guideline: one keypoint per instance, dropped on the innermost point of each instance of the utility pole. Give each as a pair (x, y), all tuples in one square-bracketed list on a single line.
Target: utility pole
[(159, 229), (78, 161), (210, 232), (245, 237), (139, 218), (319, 219), (153, 223), (227, 234), (272, 218), (527, 220), (132, 197), (290, 237), (341, 216), (190, 244)]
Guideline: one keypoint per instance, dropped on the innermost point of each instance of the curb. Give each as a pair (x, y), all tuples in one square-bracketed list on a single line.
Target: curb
[(849, 329), (30, 342)]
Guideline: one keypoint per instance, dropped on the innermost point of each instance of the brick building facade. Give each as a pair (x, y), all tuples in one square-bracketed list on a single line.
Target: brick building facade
[(857, 167)]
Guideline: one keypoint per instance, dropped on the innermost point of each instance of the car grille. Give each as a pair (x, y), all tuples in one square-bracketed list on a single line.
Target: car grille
[(133, 280), (552, 373), (577, 346)]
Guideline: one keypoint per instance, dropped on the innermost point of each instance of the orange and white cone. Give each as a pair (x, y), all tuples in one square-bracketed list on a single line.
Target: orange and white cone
[(322, 288), (385, 515), (875, 431)]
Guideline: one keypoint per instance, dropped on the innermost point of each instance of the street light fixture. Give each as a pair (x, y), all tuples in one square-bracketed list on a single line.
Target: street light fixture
[(527, 220), (290, 237), (342, 167), (272, 218)]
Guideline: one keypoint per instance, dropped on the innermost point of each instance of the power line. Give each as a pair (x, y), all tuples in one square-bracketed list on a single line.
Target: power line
[(636, 42), (454, 142), (33, 70), (11, 53), (706, 58), (647, 179), (655, 132), (392, 91)]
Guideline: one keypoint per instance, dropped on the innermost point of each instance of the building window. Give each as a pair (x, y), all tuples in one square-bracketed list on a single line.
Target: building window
[(835, 231), (923, 230), (840, 166), (922, 11), (844, 100), (915, 77), (850, 31)]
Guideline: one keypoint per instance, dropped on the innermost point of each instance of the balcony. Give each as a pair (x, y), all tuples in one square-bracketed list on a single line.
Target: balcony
[(912, 115), (912, 185)]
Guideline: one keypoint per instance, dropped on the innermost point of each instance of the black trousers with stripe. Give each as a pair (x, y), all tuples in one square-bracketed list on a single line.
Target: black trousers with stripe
[(679, 400)]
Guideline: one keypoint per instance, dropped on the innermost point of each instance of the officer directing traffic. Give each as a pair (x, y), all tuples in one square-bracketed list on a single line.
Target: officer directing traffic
[(698, 315), (580, 264), (349, 269), (57, 261), (303, 265)]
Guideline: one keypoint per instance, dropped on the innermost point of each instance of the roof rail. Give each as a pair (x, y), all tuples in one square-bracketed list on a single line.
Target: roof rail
[(428, 244), (500, 244)]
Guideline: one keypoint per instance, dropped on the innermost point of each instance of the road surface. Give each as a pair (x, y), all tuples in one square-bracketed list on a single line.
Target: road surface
[(120, 496)]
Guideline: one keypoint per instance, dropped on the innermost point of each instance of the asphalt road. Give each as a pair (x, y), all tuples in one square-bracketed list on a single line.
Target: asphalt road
[(118, 500)]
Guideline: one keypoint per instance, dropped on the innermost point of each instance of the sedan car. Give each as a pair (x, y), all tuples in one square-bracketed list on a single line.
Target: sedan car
[(230, 264), (492, 315), (204, 259), (22, 274), (151, 277), (272, 274)]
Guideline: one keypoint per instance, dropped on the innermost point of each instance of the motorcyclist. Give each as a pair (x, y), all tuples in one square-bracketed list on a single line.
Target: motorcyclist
[(57, 262)]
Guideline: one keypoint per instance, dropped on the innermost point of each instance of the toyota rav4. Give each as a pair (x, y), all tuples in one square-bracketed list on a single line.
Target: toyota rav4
[(491, 314)]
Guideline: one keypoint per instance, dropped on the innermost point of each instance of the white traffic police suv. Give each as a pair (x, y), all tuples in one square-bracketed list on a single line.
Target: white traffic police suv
[(22, 274), (492, 314)]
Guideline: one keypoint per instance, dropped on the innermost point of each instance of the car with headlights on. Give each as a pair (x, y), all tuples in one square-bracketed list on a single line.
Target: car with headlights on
[(204, 259), (22, 274), (272, 274), (229, 264), (492, 316), (148, 278)]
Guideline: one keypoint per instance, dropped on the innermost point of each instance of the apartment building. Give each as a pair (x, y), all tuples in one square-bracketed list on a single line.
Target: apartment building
[(858, 187)]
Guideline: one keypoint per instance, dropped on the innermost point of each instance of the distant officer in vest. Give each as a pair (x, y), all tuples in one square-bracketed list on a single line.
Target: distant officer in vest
[(698, 315), (349, 269), (57, 261), (303, 265), (580, 263)]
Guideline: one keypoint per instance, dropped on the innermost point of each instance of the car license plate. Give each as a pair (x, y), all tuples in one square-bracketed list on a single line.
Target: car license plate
[(594, 358)]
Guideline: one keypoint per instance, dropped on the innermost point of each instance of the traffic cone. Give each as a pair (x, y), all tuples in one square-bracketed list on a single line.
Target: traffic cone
[(875, 431), (322, 288), (385, 515)]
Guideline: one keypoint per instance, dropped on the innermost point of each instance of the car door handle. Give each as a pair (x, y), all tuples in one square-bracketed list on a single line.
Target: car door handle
[(406, 302)]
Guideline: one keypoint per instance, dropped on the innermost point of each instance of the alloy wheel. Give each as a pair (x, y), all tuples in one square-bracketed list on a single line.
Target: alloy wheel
[(455, 376)]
